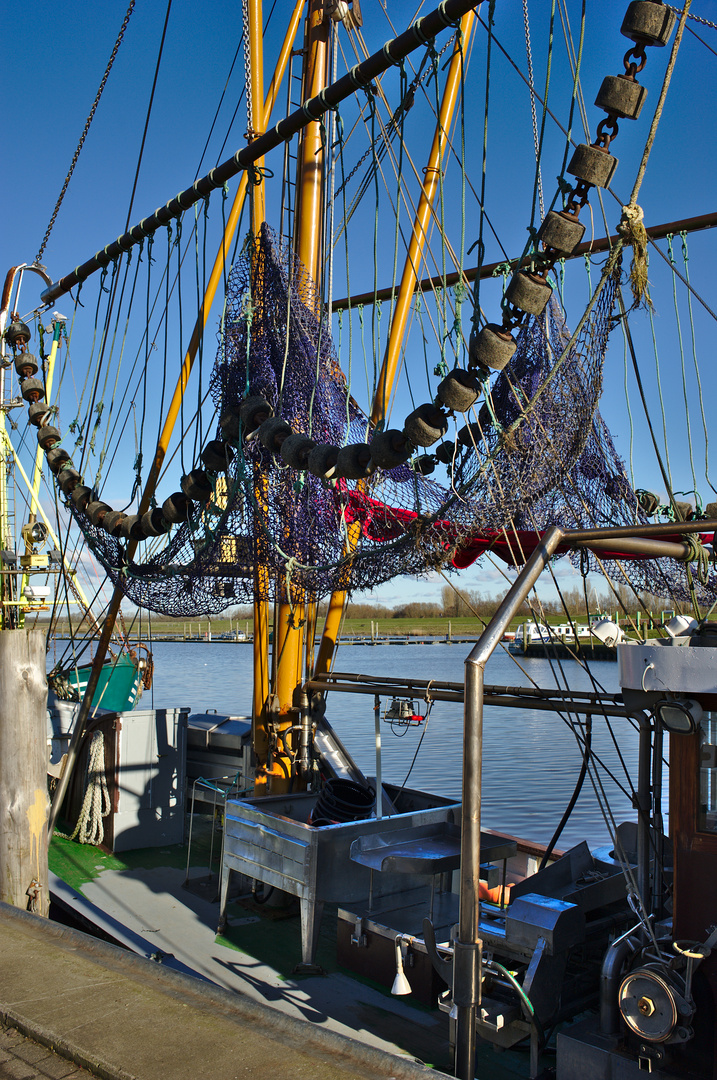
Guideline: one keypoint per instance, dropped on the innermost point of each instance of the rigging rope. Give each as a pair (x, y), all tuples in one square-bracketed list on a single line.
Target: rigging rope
[(83, 136), (96, 804)]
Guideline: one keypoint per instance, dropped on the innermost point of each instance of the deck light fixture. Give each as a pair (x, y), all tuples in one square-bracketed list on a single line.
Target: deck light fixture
[(35, 532), (679, 716), (401, 985), (607, 631)]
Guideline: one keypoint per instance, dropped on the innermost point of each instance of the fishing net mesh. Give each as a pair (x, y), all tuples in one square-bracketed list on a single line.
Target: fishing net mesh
[(534, 452)]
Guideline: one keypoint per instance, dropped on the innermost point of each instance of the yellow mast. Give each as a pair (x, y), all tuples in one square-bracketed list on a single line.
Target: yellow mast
[(290, 612), (260, 641), (172, 414), (409, 279)]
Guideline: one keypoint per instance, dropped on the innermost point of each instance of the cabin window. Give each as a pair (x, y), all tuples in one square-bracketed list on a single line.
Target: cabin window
[(707, 818)]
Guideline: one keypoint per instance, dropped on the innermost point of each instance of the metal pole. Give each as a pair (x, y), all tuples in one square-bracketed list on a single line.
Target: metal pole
[(644, 807), (466, 965), (379, 782)]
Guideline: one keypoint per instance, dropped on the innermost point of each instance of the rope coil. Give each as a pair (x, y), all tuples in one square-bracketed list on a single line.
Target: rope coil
[(96, 804)]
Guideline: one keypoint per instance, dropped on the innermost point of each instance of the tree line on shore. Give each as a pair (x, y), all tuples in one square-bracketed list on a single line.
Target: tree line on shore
[(465, 603)]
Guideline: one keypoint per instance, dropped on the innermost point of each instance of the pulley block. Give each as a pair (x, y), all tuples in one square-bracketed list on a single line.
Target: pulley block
[(649, 1005)]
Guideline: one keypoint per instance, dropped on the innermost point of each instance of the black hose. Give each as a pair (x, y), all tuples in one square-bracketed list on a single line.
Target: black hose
[(574, 797), (263, 896)]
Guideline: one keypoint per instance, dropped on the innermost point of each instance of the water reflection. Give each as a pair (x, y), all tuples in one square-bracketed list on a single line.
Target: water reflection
[(531, 758)]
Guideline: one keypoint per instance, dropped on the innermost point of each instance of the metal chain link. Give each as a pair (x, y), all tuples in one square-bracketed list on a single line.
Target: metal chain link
[(697, 18), (533, 110), (247, 71), (118, 42), (418, 79)]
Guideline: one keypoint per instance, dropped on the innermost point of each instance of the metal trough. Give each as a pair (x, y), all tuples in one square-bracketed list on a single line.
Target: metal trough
[(268, 840)]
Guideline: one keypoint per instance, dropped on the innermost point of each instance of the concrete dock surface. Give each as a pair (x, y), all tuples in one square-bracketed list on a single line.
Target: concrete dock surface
[(123, 1017)]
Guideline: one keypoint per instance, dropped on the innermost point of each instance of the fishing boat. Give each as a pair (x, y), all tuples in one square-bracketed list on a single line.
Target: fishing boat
[(382, 373)]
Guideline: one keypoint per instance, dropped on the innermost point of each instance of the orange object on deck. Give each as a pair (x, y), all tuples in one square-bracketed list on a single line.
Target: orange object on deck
[(499, 895)]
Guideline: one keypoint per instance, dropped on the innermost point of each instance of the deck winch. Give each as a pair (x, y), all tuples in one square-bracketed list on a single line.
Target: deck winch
[(659, 981)]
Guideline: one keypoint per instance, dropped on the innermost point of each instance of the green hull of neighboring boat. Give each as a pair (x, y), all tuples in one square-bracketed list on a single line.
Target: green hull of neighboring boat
[(118, 688)]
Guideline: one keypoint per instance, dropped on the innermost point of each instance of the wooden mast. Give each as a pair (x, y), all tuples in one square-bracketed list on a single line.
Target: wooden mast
[(24, 804)]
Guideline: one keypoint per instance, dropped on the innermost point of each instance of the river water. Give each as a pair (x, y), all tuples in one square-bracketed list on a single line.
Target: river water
[(531, 758)]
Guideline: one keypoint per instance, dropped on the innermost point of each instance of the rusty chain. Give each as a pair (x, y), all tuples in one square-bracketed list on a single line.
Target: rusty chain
[(80, 144), (634, 61)]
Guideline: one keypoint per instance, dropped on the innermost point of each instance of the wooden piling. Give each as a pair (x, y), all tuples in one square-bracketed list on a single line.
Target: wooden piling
[(24, 803)]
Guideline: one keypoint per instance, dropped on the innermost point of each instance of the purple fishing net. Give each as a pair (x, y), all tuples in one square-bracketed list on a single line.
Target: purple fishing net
[(538, 452)]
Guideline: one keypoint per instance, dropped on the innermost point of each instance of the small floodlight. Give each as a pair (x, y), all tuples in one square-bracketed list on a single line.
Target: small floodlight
[(679, 717), (35, 532), (681, 626), (607, 631), (401, 985), (400, 709)]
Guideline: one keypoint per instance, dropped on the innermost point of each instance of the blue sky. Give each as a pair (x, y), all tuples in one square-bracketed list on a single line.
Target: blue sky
[(51, 81)]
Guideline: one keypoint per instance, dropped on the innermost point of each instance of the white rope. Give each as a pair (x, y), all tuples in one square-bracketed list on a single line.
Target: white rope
[(96, 803)]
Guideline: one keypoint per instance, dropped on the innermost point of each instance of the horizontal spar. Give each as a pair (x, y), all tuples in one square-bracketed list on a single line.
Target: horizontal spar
[(489, 270), (419, 33), (494, 695)]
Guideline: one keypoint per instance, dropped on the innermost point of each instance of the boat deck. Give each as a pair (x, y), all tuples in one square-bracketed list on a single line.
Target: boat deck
[(254, 961)]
